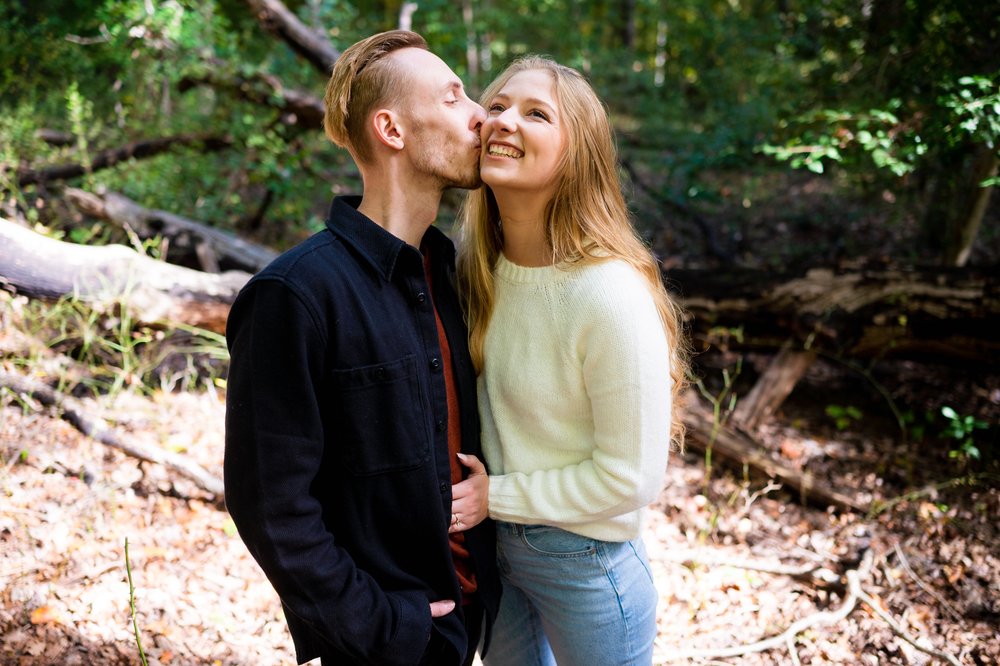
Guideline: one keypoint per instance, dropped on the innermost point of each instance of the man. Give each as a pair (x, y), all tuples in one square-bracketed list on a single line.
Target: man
[(351, 391)]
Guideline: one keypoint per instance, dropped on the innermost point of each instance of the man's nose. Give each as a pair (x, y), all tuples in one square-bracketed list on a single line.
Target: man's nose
[(478, 116)]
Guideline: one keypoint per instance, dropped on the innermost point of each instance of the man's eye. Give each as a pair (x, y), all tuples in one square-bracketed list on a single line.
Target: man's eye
[(496, 108)]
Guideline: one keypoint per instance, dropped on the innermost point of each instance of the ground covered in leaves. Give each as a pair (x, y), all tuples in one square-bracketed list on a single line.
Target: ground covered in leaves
[(929, 560)]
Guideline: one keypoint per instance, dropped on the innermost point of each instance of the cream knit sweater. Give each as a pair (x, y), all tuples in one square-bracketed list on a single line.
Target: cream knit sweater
[(574, 398)]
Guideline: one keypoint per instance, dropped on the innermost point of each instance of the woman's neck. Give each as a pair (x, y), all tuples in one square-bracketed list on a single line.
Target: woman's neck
[(523, 228)]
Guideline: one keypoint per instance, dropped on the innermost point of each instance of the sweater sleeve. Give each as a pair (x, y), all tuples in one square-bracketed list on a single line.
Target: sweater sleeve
[(274, 448), (618, 342)]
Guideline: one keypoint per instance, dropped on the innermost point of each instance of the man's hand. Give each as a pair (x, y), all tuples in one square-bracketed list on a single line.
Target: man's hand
[(442, 608), (470, 498)]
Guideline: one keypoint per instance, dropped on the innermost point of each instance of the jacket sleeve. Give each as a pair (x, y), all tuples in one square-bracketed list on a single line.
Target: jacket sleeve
[(274, 450)]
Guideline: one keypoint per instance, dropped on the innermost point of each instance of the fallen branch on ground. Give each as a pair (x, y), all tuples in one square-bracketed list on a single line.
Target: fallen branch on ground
[(786, 639), (72, 411), (741, 449)]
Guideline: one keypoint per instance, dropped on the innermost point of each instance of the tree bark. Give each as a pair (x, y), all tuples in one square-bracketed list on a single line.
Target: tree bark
[(213, 245), (155, 292), (277, 19), (771, 389), (109, 158)]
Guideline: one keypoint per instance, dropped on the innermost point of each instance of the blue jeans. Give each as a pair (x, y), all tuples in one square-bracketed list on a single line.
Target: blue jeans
[(572, 600)]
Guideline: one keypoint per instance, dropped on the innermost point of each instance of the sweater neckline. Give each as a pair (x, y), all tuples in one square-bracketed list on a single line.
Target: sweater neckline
[(512, 272)]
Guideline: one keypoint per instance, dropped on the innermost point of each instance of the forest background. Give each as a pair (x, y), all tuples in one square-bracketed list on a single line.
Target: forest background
[(815, 175)]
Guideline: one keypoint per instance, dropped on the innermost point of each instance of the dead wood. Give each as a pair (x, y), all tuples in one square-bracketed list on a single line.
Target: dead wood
[(108, 158), (278, 20), (936, 315), (296, 106), (771, 389), (738, 447), (72, 411), (155, 292), (212, 245), (786, 639)]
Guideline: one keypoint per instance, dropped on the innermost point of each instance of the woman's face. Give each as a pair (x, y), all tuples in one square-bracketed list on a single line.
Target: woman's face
[(523, 139)]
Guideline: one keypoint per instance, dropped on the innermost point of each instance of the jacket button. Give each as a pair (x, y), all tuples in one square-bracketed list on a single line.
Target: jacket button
[(439, 426), (435, 364), (421, 297), (443, 487)]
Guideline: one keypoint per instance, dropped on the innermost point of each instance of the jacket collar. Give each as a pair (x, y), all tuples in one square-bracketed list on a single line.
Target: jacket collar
[(376, 245)]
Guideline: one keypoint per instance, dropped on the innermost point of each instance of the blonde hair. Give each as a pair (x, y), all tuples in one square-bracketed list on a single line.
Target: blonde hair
[(363, 78), (586, 221)]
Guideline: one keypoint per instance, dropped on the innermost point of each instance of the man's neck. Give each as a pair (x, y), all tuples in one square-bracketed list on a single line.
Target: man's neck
[(400, 207)]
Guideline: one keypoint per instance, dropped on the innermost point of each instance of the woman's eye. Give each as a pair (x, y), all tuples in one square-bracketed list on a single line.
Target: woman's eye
[(538, 114), (496, 108)]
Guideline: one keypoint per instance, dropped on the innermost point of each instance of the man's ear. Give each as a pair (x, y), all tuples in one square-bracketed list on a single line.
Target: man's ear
[(387, 127)]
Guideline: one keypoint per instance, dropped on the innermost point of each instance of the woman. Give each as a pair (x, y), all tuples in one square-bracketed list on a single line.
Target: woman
[(579, 354)]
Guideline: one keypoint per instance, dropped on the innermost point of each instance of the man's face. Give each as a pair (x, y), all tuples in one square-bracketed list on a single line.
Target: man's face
[(443, 132)]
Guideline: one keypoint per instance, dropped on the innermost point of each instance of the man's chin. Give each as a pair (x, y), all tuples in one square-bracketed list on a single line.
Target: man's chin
[(471, 182)]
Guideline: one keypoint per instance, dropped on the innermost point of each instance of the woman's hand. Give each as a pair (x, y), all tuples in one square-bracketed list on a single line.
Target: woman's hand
[(470, 498)]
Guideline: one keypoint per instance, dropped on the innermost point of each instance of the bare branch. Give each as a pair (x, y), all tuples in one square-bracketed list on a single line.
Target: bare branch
[(278, 20), (109, 158), (72, 411), (298, 107)]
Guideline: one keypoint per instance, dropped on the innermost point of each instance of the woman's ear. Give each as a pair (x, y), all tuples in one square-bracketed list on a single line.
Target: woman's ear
[(386, 125)]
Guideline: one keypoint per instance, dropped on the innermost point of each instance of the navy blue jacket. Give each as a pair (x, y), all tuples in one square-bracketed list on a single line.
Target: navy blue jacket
[(336, 469)]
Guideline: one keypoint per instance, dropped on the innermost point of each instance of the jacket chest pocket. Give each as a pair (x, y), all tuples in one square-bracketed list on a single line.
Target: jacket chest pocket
[(378, 417)]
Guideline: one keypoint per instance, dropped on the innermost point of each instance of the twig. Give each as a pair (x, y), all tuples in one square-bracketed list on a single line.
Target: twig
[(792, 652), (807, 571), (789, 634), (131, 605), (73, 412), (897, 628), (924, 586)]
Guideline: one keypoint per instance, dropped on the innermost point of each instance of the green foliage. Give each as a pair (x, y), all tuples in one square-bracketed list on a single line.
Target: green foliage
[(962, 428), (116, 353), (973, 103), (694, 87), (843, 415)]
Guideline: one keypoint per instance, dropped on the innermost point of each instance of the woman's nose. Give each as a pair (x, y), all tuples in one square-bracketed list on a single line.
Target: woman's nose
[(505, 121)]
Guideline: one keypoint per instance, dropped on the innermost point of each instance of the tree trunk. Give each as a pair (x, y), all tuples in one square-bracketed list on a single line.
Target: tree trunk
[(969, 206), (113, 275)]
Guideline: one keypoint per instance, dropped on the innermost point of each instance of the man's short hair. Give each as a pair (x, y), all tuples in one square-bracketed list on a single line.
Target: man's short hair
[(362, 79)]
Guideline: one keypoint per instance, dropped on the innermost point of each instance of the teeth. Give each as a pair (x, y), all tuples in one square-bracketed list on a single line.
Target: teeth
[(505, 151)]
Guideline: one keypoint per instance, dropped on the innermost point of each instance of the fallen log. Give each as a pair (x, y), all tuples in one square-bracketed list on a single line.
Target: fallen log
[(774, 385), (154, 291), (944, 315), (217, 247), (949, 316), (741, 449), (74, 412), (108, 158)]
